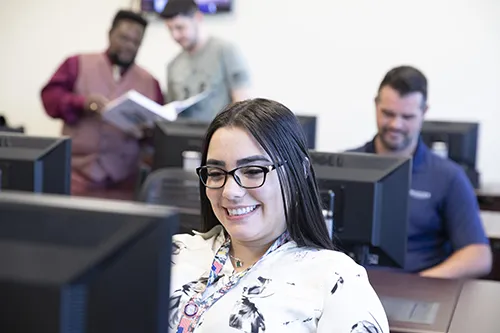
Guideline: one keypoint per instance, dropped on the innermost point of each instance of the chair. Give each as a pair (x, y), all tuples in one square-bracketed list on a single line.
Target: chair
[(178, 188)]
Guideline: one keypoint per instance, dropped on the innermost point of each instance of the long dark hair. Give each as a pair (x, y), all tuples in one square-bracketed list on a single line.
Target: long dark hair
[(280, 134)]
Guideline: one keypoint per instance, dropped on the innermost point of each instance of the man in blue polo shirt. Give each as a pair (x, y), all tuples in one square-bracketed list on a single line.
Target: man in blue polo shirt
[(446, 238)]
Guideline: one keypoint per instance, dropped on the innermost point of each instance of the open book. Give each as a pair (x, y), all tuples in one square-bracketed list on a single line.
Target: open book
[(133, 111)]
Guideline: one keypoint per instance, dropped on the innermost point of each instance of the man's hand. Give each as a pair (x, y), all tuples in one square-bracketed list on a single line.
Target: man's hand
[(95, 103), (147, 132)]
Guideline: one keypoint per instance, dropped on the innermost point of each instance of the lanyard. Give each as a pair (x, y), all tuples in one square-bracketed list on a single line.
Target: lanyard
[(196, 306)]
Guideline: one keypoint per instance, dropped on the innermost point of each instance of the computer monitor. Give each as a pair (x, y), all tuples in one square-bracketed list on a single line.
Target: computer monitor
[(460, 139), (35, 164), (172, 139), (309, 127), (71, 264), (368, 196)]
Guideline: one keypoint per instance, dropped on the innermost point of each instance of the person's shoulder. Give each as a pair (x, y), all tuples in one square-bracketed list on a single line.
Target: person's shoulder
[(177, 61), (223, 46), (143, 72), (445, 167), (340, 262), (192, 255), (89, 55), (179, 57), (330, 264), (443, 164), (218, 42), (74, 58), (198, 241)]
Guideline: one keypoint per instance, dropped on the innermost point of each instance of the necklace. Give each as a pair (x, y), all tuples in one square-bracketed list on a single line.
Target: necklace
[(237, 261)]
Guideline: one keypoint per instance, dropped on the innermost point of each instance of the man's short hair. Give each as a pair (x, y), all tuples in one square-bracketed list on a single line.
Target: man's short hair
[(175, 8), (128, 15), (406, 80)]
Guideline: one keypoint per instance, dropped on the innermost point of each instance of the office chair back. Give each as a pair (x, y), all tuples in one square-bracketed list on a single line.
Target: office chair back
[(178, 188), (172, 187)]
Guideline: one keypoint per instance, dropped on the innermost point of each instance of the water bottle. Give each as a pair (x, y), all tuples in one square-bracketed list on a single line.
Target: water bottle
[(191, 160), (440, 148)]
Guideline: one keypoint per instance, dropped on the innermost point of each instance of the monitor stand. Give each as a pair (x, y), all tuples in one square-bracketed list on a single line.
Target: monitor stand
[(360, 253)]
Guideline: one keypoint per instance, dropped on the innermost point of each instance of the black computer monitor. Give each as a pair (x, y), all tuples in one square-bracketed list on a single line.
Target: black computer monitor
[(72, 264), (172, 139), (461, 141), (370, 195), (35, 164), (309, 127)]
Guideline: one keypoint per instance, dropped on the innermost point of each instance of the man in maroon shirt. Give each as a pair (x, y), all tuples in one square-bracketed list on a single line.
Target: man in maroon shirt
[(104, 159)]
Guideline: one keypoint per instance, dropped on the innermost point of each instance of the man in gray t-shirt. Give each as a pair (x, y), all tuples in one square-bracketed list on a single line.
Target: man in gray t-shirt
[(206, 63)]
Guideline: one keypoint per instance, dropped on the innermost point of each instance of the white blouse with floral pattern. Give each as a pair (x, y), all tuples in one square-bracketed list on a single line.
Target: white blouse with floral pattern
[(291, 290)]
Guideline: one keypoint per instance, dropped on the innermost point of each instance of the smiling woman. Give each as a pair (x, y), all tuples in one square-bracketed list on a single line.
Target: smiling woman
[(264, 261)]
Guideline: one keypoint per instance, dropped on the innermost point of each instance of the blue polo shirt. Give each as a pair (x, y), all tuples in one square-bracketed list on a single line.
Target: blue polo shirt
[(444, 213)]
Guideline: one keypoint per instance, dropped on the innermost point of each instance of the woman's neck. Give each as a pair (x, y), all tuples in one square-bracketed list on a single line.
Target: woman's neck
[(245, 254)]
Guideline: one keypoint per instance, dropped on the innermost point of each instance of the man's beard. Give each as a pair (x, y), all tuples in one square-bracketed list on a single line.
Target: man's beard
[(115, 60), (193, 43), (395, 147)]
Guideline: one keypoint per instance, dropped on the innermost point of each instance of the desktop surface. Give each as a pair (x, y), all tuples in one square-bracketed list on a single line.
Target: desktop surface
[(477, 308), (416, 304)]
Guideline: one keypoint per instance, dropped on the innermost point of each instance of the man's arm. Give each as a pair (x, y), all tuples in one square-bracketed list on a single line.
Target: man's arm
[(237, 74), (57, 95), (471, 261), (472, 257)]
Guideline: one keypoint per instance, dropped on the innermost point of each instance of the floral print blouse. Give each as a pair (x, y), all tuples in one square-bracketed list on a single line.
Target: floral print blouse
[(292, 289)]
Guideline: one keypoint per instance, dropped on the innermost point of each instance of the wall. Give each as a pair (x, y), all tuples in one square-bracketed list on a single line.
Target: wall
[(325, 59)]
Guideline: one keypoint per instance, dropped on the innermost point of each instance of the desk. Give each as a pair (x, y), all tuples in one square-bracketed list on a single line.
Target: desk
[(477, 308), (440, 294), (491, 222), (488, 197), (462, 306)]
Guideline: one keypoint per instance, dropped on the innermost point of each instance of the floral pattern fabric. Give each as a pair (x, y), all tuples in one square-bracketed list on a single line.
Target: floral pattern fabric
[(291, 289)]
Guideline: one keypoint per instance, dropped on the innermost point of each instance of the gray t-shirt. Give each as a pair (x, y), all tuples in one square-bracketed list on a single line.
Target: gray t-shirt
[(218, 67)]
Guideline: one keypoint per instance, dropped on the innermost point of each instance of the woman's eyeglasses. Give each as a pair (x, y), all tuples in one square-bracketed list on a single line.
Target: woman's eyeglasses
[(248, 176)]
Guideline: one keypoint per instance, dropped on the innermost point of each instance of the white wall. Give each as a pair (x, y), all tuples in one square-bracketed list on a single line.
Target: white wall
[(326, 58)]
